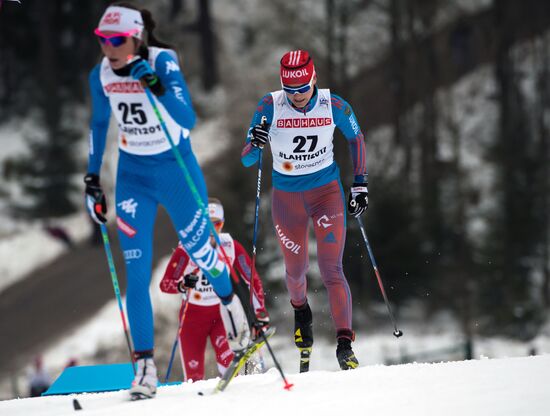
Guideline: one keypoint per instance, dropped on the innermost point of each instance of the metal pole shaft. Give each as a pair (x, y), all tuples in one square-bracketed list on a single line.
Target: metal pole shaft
[(396, 332), (116, 288)]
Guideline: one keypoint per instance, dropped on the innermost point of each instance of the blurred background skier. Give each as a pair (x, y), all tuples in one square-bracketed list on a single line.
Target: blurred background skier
[(199, 315)]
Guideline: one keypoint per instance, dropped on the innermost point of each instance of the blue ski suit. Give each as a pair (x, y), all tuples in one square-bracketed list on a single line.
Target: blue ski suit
[(148, 175)]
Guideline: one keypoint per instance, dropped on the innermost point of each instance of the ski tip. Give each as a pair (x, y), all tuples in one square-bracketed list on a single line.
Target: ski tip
[(76, 405)]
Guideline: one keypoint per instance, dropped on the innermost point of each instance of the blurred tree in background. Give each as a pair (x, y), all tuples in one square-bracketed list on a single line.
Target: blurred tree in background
[(46, 52), (448, 234)]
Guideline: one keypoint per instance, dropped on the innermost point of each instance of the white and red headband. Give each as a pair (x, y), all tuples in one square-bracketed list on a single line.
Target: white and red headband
[(215, 211), (122, 20), (296, 68)]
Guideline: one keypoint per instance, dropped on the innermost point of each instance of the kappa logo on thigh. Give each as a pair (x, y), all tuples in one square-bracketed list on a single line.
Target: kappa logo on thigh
[(129, 206)]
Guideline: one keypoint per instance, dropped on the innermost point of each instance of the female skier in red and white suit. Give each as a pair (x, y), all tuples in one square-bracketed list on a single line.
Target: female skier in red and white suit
[(201, 310)]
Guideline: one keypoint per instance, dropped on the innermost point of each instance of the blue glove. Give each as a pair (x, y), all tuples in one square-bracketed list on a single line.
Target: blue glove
[(142, 71)]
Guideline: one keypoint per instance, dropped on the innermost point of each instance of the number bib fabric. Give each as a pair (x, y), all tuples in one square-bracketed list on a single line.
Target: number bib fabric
[(204, 294), (301, 143), (140, 132)]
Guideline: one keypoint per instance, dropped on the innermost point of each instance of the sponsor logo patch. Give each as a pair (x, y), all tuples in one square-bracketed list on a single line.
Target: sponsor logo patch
[(112, 18), (132, 254), (287, 242), (125, 227), (298, 123), (219, 341), (296, 73), (171, 66), (190, 237), (124, 88), (330, 238), (129, 206), (324, 222)]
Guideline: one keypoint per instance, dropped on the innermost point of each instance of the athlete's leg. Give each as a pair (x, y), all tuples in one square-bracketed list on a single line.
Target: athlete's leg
[(191, 225), (291, 226), (136, 210), (194, 232), (218, 339), (326, 207), (194, 332)]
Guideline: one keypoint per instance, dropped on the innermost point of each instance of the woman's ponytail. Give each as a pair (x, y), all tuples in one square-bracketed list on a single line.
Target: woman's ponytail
[(149, 25)]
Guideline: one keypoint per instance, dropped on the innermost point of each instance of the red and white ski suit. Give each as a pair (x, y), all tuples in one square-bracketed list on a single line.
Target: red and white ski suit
[(201, 308)]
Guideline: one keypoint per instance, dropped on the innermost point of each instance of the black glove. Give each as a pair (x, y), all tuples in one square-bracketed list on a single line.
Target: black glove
[(261, 324), (189, 282), (259, 136), (142, 71), (358, 201), (95, 199)]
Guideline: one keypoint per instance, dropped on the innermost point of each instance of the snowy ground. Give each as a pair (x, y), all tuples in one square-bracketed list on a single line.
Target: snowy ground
[(503, 387)]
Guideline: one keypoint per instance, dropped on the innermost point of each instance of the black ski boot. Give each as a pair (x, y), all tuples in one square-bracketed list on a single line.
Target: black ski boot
[(344, 353), (303, 334)]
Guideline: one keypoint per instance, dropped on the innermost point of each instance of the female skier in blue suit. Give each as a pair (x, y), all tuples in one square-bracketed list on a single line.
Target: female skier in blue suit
[(148, 173)]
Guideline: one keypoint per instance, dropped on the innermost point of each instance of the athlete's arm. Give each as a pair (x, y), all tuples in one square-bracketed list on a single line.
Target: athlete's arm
[(99, 123), (174, 270), (345, 120), (250, 154), (176, 99), (243, 264)]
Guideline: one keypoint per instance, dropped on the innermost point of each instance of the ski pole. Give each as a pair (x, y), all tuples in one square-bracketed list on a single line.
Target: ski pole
[(189, 181), (184, 304), (287, 385), (397, 332), (201, 205), (114, 279), (256, 216)]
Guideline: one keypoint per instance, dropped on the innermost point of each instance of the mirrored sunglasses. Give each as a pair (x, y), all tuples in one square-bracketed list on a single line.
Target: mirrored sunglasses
[(302, 89), (116, 40)]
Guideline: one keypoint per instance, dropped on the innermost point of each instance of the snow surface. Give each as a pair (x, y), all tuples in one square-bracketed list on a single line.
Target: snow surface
[(503, 387)]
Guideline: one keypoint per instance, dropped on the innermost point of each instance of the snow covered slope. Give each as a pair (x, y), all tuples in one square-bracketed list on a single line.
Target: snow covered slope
[(503, 387)]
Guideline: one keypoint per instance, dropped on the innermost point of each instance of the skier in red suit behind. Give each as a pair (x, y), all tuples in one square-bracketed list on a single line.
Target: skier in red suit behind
[(201, 307)]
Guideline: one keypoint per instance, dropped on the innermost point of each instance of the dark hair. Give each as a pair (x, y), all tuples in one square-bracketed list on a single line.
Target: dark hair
[(148, 23), (214, 201)]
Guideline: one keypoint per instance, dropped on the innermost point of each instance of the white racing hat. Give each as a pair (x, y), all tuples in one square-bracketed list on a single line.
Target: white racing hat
[(215, 211), (122, 20)]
